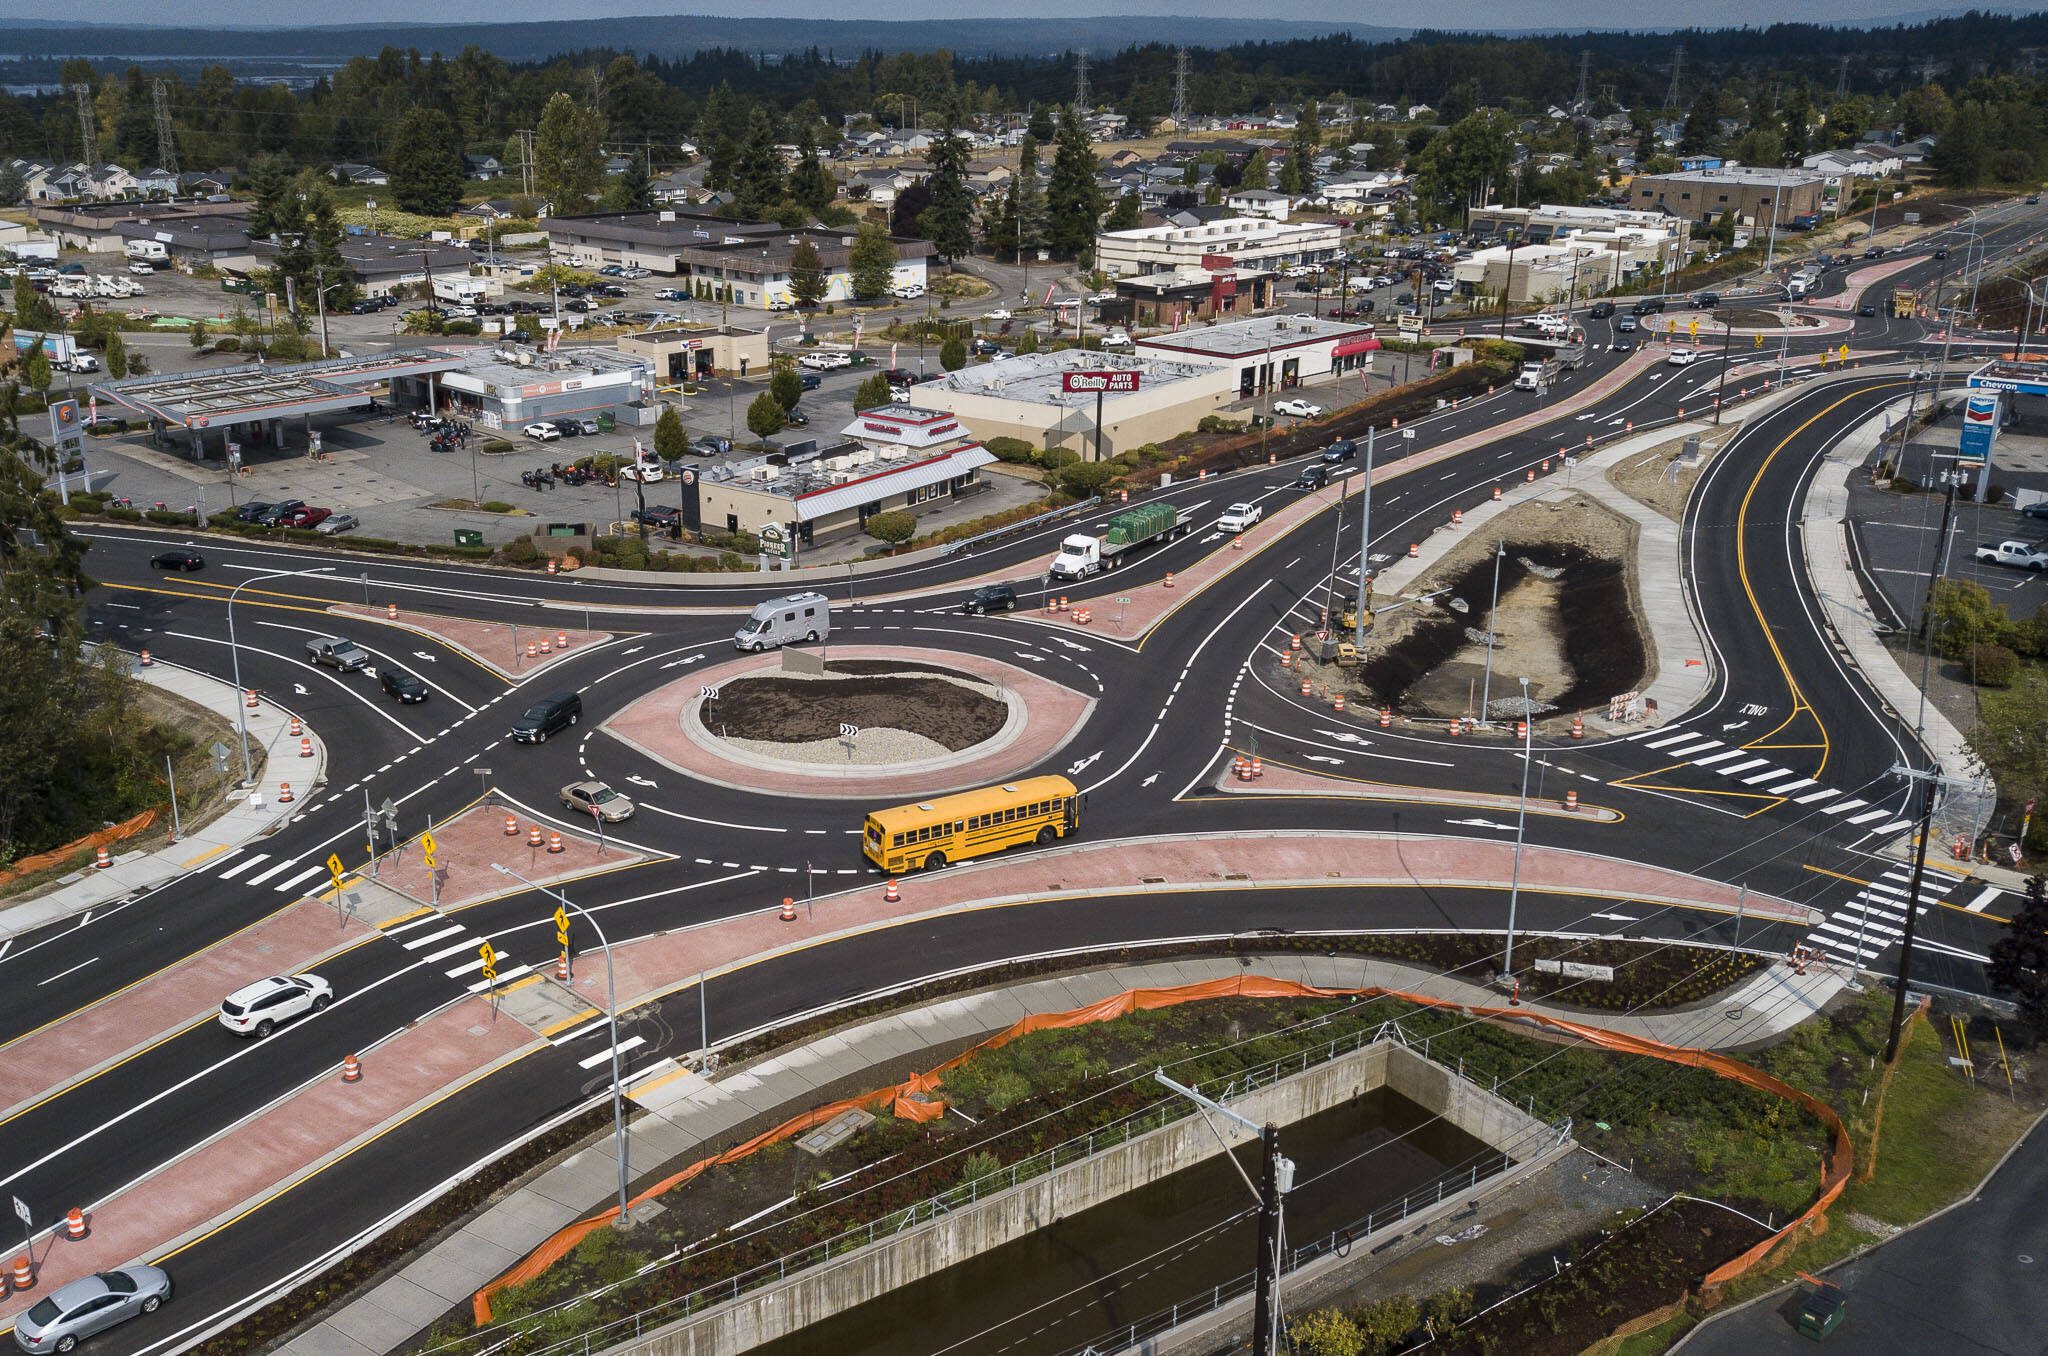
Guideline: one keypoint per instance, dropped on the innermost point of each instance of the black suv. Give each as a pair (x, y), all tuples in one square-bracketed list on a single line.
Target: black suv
[(402, 685), (1342, 450), (990, 598), (549, 715), (1601, 310), (1647, 306)]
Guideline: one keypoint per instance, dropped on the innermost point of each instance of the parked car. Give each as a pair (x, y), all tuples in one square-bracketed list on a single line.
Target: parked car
[(670, 294), (251, 511), (711, 445), (826, 361), (569, 428), (306, 516), (1301, 409), (999, 313), (597, 800), (990, 598), (91, 1304), (260, 1008), (335, 523), (796, 419), (401, 685), (646, 472), (661, 518), (548, 716), (542, 432), (1239, 516), (177, 560), (809, 380), (344, 656), (275, 515)]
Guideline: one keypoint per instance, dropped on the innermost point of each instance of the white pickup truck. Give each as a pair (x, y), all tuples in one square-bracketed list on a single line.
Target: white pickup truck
[(2021, 555)]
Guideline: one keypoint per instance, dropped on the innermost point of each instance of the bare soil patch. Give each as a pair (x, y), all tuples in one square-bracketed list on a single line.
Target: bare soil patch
[(1663, 477), (950, 709)]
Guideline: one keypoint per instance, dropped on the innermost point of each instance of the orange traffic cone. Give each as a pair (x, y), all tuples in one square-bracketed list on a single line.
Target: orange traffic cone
[(533, 838), (147, 662), (554, 842), (561, 640), (297, 728), (788, 909), (890, 894), (305, 748), (511, 827), (24, 1276), (101, 861), (351, 1070), (391, 611), (284, 793), (562, 968), (74, 1224)]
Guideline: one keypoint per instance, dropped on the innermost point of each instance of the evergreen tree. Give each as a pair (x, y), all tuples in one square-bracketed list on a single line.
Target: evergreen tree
[(38, 371), (324, 236), (1030, 184), (12, 186), (270, 183), (1962, 158), (116, 354), (1253, 175), (949, 222), (786, 386), (632, 191), (568, 154), (872, 262), (999, 221), (1702, 123), (953, 354), (2019, 959), (1126, 214), (873, 393), (671, 440), (811, 184), (765, 415), (1073, 199), (757, 168), (426, 170), (1041, 124), (806, 274)]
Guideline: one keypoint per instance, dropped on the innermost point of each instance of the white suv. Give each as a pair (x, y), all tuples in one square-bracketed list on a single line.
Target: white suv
[(260, 1008)]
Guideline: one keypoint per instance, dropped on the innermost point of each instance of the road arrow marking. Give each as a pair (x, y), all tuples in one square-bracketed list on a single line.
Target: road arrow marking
[(1618, 917), (1318, 758), (635, 650), (422, 654), (1082, 766), (1482, 824), (1026, 654), (299, 688), (640, 781), (1734, 725), (1149, 780), (1342, 736)]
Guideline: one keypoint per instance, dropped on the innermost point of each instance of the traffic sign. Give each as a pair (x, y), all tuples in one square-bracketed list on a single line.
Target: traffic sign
[(490, 955), (427, 846), (1692, 327), (561, 926), (21, 1212), (1843, 353), (1757, 342), (334, 867), (848, 731)]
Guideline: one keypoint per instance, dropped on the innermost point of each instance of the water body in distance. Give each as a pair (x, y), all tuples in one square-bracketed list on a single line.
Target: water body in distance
[(1078, 1280)]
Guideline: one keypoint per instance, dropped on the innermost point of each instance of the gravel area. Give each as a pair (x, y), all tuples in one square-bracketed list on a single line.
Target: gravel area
[(1651, 478)]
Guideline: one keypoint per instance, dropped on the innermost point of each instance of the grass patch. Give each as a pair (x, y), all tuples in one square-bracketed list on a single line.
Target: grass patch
[(488, 506)]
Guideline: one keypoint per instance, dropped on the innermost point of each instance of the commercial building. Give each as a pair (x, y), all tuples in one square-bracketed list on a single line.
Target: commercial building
[(1543, 274), (1176, 296), (744, 263), (1751, 195), (1286, 350), (98, 227), (1025, 397), (513, 385), (894, 457), (1554, 223), (383, 264), (687, 352), (1252, 243)]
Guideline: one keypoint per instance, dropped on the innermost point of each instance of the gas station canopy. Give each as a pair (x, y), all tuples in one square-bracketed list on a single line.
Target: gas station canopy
[(221, 398)]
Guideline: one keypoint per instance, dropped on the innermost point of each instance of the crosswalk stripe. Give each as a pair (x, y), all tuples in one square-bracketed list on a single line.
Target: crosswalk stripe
[(467, 944), (1845, 806), (1874, 814), (1744, 766), (1977, 905), (1930, 871), (1849, 927), (504, 976), (1812, 796), (1896, 826), (300, 879), (1718, 758), (1688, 750), (1683, 736), (239, 867), (1798, 785), (604, 1056), (1767, 775), (287, 864), (430, 938)]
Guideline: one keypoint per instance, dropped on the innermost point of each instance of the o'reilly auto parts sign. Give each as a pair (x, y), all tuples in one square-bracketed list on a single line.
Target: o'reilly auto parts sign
[(1099, 383)]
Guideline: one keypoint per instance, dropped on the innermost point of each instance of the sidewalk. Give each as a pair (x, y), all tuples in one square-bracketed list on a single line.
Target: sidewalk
[(250, 814), (688, 1115)]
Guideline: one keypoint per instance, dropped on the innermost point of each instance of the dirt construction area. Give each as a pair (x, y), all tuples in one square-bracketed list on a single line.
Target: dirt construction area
[(1568, 620), (950, 709)]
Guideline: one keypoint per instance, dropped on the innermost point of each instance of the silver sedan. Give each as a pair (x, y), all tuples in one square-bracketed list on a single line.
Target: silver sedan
[(91, 1304)]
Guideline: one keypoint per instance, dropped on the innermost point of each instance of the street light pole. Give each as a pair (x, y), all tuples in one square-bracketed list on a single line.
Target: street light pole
[(1500, 553), (1521, 826), (235, 660), (611, 1014)]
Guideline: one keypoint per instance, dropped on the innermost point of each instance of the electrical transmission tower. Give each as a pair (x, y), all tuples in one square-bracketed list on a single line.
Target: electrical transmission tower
[(166, 140), (1677, 71), (1585, 80), (1180, 89), (88, 124), (1842, 78), (1081, 82)]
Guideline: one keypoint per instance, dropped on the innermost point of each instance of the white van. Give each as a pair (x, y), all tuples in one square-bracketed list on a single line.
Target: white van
[(782, 621)]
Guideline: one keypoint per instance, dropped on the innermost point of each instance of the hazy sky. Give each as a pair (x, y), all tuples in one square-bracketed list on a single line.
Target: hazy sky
[(1437, 13)]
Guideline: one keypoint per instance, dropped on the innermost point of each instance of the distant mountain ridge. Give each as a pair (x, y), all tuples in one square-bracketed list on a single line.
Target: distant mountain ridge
[(668, 36)]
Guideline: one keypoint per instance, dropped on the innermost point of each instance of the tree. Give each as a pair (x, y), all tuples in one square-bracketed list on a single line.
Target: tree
[(1030, 188), (894, 527), (1326, 1332), (1040, 124), (1466, 162), (953, 354), (765, 414), (38, 371), (197, 334), (426, 167), (757, 167), (1027, 342), (117, 354), (811, 184), (671, 439), (1126, 214), (873, 393), (806, 274), (632, 191), (568, 154), (1962, 158), (1702, 123), (1072, 198), (786, 386), (908, 209), (1253, 175), (12, 186), (270, 184), (999, 222), (2019, 959), (872, 261), (949, 222)]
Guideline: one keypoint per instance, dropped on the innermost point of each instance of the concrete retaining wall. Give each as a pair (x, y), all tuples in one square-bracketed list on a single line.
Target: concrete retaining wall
[(777, 1310)]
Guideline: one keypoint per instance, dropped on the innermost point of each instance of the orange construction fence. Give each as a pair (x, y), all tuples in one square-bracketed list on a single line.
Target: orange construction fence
[(106, 837), (912, 1100)]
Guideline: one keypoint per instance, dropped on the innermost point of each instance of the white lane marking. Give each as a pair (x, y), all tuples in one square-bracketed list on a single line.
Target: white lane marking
[(1680, 738), (604, 1056), (1795, 785), (430, 938), (244, 865), (1770, 774), (286, 885), (60, 974), (1718, 758), (283, 866), (1844, 807), (1745, 765), (1813, 796)]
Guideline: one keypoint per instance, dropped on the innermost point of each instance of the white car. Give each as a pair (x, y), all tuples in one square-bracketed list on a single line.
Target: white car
[(1099, 298), (646, 472), (781, 304), (998, 314), (1301, 409), (260, 1008), (1683, 357), (542, 432), (907, 291), (1238, 517), (826, 362)]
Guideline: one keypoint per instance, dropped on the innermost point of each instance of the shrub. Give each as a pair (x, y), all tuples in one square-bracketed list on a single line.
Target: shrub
[(1056, 457), (894, 527), (462, 327), (1216, 423), (1991, 664), (497, 445), (1326, 1332), (1013, 450), (495, 506), (1086, 478), (953, 354), (227, 344), (287, 347), (1384, 1324)]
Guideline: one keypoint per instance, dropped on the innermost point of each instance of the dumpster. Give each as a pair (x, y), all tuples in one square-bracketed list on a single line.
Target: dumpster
[(1822, 1311), (468, 536)]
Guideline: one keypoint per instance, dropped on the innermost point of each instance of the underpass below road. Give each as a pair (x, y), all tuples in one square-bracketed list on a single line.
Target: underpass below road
[(1180, 1239)]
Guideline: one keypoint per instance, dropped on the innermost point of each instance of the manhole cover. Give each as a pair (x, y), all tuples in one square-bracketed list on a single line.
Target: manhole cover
[(479, 1030)]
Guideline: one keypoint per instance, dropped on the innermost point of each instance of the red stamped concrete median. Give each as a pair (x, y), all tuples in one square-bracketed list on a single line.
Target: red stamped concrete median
[(277, 1146), (65, 1051), (466, 846), (1051, 715), (1277, 779), (498, 646)]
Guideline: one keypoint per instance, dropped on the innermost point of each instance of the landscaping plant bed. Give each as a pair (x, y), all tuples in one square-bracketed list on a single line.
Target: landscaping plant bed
[(782, 709)]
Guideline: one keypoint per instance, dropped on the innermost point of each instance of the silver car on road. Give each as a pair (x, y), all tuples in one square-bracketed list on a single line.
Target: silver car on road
[(69, 1314)]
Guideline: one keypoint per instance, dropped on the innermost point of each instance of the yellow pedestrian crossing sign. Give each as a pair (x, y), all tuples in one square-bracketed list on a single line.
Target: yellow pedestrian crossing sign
[(334, 867), (1671, 327), (490, 955), (427, 846), (1757, 341), (562, 927)]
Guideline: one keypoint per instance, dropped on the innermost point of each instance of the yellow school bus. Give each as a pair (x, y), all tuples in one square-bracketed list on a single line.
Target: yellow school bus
[(968, 824)]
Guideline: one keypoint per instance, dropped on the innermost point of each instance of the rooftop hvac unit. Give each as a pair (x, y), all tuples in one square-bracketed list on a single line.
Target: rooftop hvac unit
[(765, 473)]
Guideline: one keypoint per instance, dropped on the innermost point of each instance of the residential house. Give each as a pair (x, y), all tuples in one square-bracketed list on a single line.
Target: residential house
[(491, 210), (360, 176), (157, 182), (1259, 202), (1421, 113), (1916, 151), (483, 168), (206, 183), (1123, 159), (1884, 160), (617, 164)]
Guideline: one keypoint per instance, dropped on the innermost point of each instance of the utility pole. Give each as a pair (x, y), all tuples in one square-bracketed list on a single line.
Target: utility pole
[(1842, 78), (525, 135), (166, 140), (1364, 616), (88, 124)]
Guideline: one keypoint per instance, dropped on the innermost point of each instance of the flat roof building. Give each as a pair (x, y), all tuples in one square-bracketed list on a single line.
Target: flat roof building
[(1024, 397), (512, 386), (1753, 195), (1265, 350), (1175, 296), (1228, 242), (1538, 273), (745, 263), (687, 352)]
